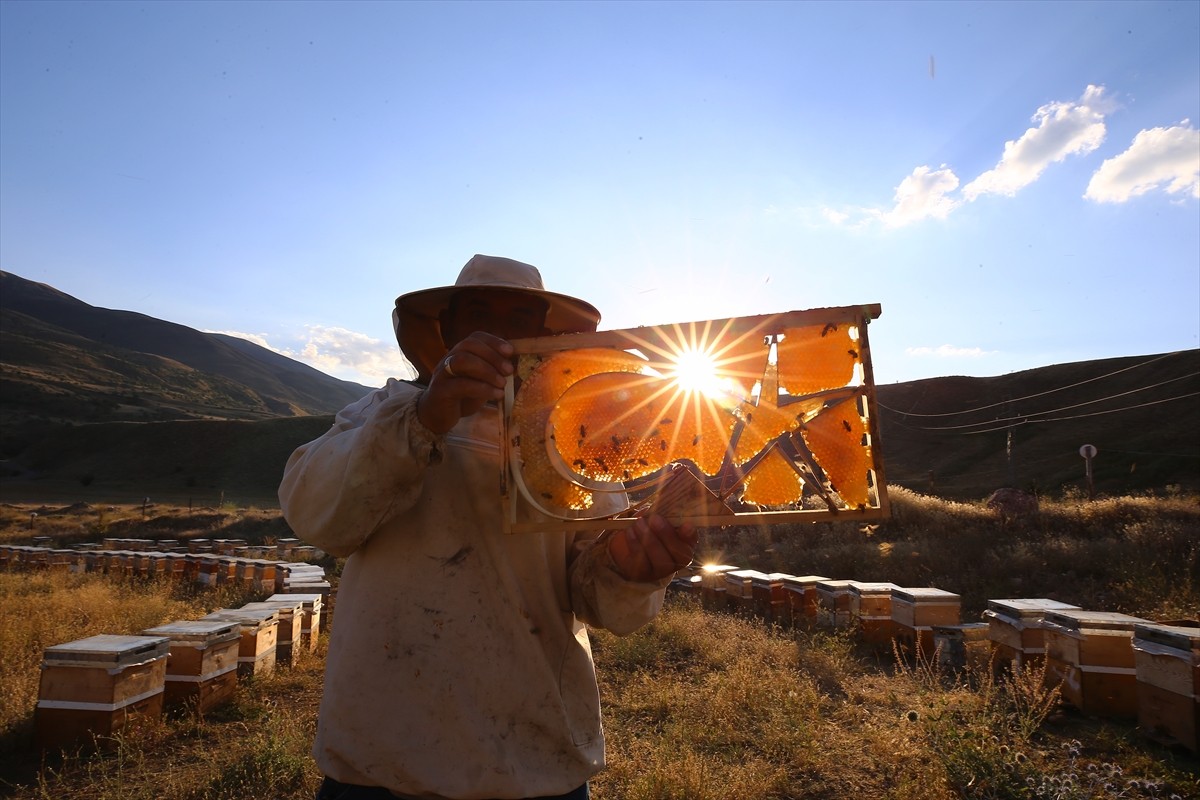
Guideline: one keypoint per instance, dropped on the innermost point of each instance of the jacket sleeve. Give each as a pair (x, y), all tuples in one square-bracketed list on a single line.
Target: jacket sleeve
[(369, 466), (602, 598)]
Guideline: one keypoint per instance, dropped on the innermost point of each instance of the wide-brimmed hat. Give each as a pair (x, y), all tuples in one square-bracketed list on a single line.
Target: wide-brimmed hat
[(416, 316)]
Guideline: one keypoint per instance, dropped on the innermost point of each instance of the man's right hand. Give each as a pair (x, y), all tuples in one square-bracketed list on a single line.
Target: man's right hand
[(472, 373)]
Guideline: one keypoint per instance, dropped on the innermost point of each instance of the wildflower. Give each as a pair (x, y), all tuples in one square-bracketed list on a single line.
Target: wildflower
[(1020, 757)]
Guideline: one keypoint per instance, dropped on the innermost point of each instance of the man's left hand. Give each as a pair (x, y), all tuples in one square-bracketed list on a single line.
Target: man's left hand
[(652, 549)]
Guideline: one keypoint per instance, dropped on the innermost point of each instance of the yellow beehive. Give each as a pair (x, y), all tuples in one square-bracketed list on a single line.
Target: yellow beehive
[(871, 607), (1090, 655), (202, 669), (310, 628), (801, 594), (1016, 632), (914, 613), (834, 604), (1167, 669), (95, 686), (290, 640), (259, 631)]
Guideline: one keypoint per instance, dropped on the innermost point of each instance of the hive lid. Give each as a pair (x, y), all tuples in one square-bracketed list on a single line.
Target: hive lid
[(108, 649), (308, 598), (872, 588), (1027, 606), (288, 606), (207, 630), (1099, 620), (803, 580), (838, 585), (1174, 636), (251, 616), (924, 594)]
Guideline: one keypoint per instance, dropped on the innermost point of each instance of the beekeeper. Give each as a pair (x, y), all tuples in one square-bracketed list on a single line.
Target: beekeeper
[(459, 664)]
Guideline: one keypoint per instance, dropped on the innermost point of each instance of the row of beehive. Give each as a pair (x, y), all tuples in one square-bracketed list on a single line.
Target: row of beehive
[(1105, 663), (94, 686), (257, 574), (286, 549)]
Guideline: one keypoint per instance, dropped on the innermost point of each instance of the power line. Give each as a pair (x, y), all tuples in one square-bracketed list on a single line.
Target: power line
[(1077, 416), (1026, 417), (1031, 396)]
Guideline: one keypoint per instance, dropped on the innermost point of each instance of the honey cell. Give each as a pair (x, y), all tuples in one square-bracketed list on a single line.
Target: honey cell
[(543, 383), (772, 482), (835, 436), (816, 357)]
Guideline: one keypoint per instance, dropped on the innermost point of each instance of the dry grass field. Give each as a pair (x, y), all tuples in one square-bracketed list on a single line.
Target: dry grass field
[(699, 705)]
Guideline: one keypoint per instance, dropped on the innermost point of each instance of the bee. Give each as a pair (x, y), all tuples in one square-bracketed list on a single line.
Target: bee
[(828, 329), (625, 474), (666, 421), (616, 440), (603, 466), (582, 432), (695, 440), (846, 425), (644, 462), (662, 445), (853, 353), (579, 462), (547, 495)]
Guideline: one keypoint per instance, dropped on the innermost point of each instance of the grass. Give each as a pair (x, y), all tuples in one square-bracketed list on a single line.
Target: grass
[(697, 705)]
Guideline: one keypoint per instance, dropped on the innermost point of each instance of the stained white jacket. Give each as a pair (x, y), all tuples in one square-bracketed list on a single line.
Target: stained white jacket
[(459, 664)]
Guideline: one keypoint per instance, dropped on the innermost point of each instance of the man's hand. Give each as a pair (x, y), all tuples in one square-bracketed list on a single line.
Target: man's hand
[(471, 374), (652, 549)]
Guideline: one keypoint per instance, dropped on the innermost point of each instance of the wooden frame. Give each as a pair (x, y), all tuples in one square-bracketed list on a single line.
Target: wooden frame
[(759, 440)]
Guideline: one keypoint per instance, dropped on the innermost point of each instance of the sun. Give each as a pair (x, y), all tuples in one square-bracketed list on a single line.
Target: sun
[(696, 371)]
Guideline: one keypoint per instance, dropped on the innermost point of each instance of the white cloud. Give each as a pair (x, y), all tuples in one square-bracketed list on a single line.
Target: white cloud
[(1159, 157), (945, 351), (922, 195), (1063, 128), (342, 353)]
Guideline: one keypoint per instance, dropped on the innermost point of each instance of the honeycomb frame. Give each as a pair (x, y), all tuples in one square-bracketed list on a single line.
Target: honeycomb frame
[(554, 477)]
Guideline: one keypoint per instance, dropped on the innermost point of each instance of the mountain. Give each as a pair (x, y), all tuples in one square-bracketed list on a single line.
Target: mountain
[(963, 437), (95, 402), (65, 361)]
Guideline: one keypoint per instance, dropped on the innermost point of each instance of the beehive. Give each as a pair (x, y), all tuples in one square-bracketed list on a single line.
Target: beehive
[(959, 645), (259, 632), (95, 686), (834, 604), (739, 589), (1167, 670), (1016, 632), (310, 628), (290, 640), (202, 669), (801, 594), (1090, 655), (712, 586), (914, 613), (769, 599), (871, 607)]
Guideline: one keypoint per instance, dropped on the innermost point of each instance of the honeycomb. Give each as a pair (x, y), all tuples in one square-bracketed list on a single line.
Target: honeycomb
[(762, 424), (621, 427), (543, 382), (815, 358), (835, 438), (742, 361), (772, 482)]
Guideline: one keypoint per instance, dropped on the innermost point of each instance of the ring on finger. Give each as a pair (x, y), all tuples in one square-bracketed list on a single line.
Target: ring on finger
[(449, 370)]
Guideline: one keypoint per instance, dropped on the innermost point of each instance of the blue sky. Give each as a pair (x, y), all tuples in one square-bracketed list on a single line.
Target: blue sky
[(1018, 184)]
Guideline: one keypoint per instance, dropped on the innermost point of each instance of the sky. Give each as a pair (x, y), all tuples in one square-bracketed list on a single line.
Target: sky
[(1017, 184)]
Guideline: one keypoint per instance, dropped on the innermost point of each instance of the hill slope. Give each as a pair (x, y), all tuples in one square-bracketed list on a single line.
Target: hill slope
[(66, 361)]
